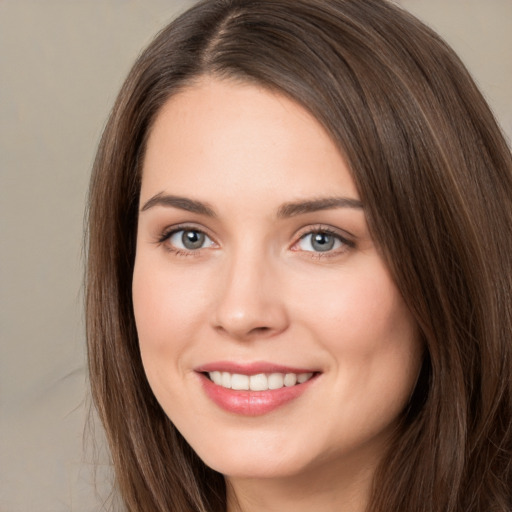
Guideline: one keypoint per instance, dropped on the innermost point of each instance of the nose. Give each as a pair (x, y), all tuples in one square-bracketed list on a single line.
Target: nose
[(250, 302)]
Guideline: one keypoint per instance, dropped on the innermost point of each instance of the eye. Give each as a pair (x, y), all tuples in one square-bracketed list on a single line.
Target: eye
[(321, 241), (189, 240)]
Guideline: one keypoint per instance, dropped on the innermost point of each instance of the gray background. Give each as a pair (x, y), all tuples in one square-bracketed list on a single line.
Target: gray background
[(62, 63)]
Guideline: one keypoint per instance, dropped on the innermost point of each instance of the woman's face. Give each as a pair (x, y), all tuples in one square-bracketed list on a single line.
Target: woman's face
[(255, 271)]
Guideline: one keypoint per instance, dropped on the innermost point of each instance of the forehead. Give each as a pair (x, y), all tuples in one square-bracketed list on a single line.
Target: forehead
[(240, 137)]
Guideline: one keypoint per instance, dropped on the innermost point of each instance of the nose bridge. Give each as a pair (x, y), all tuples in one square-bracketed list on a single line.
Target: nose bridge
[(249, 300)]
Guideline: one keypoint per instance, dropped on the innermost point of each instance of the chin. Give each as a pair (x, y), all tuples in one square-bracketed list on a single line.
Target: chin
[(268, 466), (246, 454)]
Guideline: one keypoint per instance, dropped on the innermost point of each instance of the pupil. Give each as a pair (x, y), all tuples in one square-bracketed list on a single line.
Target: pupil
[(192, 239), (322, 242)]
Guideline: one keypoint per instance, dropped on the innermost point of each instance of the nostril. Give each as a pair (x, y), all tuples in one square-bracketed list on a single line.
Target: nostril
[(260, 330)]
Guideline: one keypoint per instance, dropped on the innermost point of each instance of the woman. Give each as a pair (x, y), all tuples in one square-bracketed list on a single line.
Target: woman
[(299, 273)]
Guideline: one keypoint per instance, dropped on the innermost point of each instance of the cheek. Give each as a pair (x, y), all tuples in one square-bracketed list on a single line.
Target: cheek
[(358, 303), (165, 303), (361, 320), (168, 312)]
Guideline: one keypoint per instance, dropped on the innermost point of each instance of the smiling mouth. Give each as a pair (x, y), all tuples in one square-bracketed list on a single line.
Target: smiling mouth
[(254, 389), (257, 382)]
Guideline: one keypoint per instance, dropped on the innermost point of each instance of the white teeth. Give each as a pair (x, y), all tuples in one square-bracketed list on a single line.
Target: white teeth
[(290, 379), (216, 377), (240, 382), (275, 381), (303, 377), (258, 382), (226, 380)]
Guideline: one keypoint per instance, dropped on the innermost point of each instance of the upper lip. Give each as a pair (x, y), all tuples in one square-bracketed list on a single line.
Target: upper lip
[(253, 368)]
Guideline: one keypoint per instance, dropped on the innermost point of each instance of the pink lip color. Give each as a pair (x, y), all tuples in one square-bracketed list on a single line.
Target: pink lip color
[(251, 403)]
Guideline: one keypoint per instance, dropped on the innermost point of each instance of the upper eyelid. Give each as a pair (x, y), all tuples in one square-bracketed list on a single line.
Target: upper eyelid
[(170, 230), (323, 228)]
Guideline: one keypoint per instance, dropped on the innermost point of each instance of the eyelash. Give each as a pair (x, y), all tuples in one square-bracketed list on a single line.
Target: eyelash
[(310, 231)]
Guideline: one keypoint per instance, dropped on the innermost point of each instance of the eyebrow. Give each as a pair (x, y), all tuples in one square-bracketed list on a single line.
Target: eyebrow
[(182, 203), (286, 210), (315, 205)]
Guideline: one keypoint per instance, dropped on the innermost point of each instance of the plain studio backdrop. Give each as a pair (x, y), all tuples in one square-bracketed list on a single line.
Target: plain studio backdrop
[(62, 63)]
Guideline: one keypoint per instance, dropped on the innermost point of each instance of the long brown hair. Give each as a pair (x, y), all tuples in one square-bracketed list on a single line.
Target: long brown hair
[(435, 176)]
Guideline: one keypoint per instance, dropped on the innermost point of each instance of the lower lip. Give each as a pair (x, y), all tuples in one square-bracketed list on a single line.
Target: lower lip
[(252, 403)]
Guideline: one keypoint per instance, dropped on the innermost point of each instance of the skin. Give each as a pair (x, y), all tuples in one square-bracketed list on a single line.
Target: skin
[(259, 290)]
